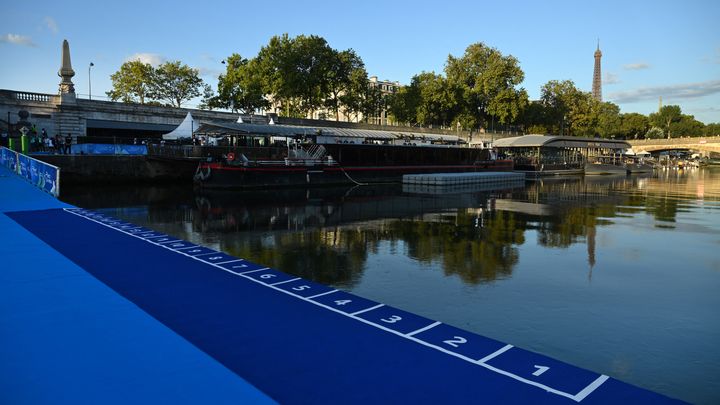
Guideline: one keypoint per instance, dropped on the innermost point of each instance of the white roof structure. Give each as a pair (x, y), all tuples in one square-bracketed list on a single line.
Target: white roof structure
[(184, 130)]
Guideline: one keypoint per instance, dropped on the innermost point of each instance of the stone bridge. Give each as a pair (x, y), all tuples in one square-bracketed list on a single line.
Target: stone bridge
[(63, 114), (703, 145)]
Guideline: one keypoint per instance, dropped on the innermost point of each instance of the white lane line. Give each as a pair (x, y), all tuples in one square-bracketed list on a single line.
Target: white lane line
[(321, 294), (590, 388), (415, 332), (367, 309), (229, 261), (286, 281), (495, 354), (370, 323)]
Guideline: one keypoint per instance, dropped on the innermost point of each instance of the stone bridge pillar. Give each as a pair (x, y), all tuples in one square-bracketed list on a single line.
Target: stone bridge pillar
[(68, 117)]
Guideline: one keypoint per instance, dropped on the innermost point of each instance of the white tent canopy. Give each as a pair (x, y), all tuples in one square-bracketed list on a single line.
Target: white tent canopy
[(184, 130)]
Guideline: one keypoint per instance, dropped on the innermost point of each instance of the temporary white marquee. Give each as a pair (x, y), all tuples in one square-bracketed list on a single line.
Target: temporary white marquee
[(184, 130)]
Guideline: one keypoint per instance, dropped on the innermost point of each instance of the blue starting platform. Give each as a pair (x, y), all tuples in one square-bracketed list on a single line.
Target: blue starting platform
[(94, 309)]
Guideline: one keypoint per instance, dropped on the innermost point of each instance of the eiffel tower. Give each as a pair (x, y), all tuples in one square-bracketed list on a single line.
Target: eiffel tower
[(597, 76)]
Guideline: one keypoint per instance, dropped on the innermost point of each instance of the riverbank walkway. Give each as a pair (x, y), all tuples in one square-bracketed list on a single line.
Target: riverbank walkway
[(98, 310)]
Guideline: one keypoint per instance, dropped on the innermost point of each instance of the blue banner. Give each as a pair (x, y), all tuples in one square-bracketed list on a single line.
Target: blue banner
[(108, 149), (44, 176), (8, 158)]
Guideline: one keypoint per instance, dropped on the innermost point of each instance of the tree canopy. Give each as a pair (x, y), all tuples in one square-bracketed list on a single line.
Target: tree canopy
[(172, 82), (302, 75)]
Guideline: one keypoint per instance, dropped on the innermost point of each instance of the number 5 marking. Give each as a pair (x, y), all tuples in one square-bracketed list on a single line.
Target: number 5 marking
[(455, 341), (540, 370)]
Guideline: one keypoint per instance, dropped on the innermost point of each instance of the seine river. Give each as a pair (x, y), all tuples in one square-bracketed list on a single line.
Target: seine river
[(619, 275)]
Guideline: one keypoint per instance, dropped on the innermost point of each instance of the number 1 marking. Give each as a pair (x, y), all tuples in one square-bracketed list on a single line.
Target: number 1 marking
[(540, 370)]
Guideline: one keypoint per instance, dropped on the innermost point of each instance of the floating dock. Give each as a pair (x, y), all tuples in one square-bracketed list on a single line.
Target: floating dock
[(463, 179), (94, 309)]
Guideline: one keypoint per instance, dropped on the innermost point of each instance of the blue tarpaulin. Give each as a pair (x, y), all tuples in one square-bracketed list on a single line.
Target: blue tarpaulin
[(108, 149)]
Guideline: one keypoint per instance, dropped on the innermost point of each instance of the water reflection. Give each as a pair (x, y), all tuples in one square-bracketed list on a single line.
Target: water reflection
[(326, 234)]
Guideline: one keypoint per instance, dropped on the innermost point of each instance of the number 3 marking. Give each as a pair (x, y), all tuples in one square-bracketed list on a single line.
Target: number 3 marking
[(392, 319), (455, 341)]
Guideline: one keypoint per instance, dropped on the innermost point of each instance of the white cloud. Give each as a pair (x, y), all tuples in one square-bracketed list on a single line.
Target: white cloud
[(16, 39), (151, 58), (51, 24), (636, 66), (611, 78), (674, 92)]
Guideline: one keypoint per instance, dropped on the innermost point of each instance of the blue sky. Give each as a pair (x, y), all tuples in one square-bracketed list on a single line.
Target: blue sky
[(650, 48)]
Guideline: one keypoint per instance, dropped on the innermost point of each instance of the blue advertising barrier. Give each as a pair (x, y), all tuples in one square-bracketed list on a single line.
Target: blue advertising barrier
[(108, 149), (43, 175)]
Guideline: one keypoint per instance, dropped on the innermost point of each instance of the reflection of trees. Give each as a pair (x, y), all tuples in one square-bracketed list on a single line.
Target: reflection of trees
[(326, 235), (475, 251), (330, 256)]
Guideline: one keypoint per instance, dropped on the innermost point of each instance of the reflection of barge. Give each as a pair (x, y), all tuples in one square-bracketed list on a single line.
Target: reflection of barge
[(307, 156)]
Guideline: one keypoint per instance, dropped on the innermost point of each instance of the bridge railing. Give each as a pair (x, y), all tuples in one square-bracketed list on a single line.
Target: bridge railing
[(672, 141), (27, 96)]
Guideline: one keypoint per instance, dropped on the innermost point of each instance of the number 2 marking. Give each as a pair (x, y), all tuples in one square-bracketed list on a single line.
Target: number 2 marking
[(342, 302), (540, 370), (455, 341)]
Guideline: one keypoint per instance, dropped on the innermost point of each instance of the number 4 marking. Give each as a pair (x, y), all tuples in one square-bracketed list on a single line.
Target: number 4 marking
[(540, 370)]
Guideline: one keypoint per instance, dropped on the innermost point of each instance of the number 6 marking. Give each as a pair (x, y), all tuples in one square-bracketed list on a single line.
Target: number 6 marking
[(392, 319), (455, 341)]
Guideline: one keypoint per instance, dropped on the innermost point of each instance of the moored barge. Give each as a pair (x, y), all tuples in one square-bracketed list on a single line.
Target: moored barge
[(280, 156)]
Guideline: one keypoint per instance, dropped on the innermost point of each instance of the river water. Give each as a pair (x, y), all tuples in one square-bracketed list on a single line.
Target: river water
[(619, 275)]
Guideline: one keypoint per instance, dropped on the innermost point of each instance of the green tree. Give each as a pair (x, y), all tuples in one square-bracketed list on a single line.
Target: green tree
[(712, 129), (403, 105), (665, 117), (571, 111), (295, 72), (240, 87), (344, 68), (655, 133), (352, 102), (687, 126), (436, 101), (206, 103), (133, 83), (609, 122), (633, 125), (372, 102), (535, 119), (176, 83), (484, 83)]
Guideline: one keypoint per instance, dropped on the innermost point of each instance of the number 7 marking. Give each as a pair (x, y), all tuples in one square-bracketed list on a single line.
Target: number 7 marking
[(540, 370)]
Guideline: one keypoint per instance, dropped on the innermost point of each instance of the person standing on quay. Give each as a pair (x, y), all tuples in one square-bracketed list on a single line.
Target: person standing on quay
[(58, 143), (68, 143)]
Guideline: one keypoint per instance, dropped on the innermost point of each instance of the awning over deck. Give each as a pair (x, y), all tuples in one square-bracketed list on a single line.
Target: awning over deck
[(536, 141), (236, 128)]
